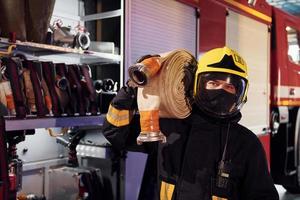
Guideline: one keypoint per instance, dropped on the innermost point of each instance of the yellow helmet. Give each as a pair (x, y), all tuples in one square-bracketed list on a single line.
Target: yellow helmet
[(221, 82)]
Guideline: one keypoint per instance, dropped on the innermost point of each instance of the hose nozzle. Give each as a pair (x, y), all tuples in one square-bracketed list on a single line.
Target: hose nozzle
[(141, 72)]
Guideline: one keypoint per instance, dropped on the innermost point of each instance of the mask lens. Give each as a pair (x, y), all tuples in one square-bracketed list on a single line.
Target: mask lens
[(220, 94)]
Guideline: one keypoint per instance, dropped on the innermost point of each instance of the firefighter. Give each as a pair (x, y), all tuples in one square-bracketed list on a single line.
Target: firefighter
[(208, 155)]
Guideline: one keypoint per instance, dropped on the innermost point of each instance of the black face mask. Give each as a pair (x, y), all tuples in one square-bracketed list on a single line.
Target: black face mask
[(218, 101)]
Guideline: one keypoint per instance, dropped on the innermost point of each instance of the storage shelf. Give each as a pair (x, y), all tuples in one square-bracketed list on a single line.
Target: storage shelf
[(13, 123), (45, 52)]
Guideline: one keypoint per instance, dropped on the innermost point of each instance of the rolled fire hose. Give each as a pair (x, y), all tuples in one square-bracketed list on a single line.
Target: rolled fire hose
[(7, 97), (2, 95), (164, 90), (47, 96), (29, 91)]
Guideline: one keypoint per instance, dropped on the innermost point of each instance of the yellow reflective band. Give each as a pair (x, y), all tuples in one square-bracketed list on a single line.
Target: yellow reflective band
[(218, 198), (250, 10), (288, 103), (166, 191), (118, 117)]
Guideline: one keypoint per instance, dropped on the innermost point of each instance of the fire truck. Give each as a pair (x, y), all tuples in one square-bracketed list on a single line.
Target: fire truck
[(268, 39)]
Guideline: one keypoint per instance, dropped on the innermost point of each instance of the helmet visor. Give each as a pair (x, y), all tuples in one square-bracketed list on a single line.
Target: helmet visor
[(220, 94)]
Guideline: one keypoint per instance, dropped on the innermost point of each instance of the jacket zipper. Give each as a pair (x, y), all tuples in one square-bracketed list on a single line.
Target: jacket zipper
[(179, 183)]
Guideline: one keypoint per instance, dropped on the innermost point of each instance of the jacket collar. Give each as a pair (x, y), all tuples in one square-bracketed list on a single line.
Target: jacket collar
[(202, 116)]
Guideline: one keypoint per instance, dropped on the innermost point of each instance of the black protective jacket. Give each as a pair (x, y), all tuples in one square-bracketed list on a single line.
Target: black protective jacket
[(189, 160)]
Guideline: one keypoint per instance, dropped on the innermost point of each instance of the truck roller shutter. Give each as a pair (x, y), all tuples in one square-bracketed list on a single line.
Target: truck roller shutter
[(252, 40), (156, 26)]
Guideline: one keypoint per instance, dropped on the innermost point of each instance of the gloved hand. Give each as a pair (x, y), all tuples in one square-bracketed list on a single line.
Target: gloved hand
[(139, 60), (125, 99)]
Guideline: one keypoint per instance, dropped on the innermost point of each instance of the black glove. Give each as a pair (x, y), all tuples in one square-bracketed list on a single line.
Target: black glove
[(125, 99), (145, 57)]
